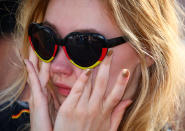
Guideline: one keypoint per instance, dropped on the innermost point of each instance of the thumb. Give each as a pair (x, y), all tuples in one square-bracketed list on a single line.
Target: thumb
[(118, 114)]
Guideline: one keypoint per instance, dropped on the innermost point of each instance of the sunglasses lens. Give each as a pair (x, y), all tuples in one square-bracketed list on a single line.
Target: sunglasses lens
[(84, 50), (42, 42)]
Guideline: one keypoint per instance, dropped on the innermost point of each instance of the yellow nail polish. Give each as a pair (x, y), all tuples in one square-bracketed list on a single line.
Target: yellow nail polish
[(109, 52), (88, 72), (125, 73)]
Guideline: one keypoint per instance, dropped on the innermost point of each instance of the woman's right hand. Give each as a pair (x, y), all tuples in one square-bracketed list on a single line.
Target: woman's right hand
[(38, 103)]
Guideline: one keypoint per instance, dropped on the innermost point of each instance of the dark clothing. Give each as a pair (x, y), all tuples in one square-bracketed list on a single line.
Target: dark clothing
[(15, 117)]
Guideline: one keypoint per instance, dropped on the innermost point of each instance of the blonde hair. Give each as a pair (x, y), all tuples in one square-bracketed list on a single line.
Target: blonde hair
[(155, 29)]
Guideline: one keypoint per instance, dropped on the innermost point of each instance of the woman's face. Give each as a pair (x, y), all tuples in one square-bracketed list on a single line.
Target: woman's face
[(68, 16)]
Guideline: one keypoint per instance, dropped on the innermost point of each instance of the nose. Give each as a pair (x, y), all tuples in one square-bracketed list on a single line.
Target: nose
[(61, 65)]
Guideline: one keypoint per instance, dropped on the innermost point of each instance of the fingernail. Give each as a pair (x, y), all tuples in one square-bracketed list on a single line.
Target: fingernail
[(125, 73), (88, 72), (109, 52)]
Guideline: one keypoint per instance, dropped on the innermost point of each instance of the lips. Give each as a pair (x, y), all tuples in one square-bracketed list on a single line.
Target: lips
[(63, 89)]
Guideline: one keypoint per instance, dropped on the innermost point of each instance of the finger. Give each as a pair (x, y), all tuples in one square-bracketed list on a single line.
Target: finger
[(55, 99), (77, 90), (86, 94), (39, 103), (44, 74), (118, 113), (132, 84), (33, 58), (33, 79), (117, 92), (101, 80)]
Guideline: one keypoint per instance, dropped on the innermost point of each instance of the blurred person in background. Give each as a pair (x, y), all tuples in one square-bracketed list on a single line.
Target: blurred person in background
[(17, 114)]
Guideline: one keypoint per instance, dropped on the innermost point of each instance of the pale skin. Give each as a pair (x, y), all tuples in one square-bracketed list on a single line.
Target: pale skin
[(98, 99)]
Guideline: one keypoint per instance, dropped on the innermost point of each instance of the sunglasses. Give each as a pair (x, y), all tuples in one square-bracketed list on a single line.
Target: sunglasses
[(83, 49)]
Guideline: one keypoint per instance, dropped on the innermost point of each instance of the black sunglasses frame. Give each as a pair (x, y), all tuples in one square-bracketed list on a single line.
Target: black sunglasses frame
[(80, 37)]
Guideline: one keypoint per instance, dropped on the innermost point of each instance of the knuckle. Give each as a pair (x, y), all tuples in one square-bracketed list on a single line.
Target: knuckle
[(78, 91), (64, 112), (82, 78)]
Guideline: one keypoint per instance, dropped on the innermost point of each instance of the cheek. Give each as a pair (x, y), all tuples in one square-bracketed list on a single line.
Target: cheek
[(124, 57)]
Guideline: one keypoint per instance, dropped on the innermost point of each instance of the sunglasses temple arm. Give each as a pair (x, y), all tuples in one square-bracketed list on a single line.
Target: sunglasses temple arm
[(116, 41)]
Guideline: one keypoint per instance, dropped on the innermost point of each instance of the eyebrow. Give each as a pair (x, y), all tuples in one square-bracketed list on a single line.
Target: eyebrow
[(76, 30), (46, 23), (87, 31)]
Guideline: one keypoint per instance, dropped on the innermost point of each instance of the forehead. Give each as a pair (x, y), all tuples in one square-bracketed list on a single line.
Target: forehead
[(70, 15)]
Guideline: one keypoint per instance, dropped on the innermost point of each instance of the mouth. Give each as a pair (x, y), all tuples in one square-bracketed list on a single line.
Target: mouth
[(63, 89)]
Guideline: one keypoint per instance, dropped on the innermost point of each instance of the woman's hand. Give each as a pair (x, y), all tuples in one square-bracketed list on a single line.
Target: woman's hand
[(86, 108), (38, 103)]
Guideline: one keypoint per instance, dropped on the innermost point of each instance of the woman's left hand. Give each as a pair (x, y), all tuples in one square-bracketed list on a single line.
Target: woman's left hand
[(87, 109)]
